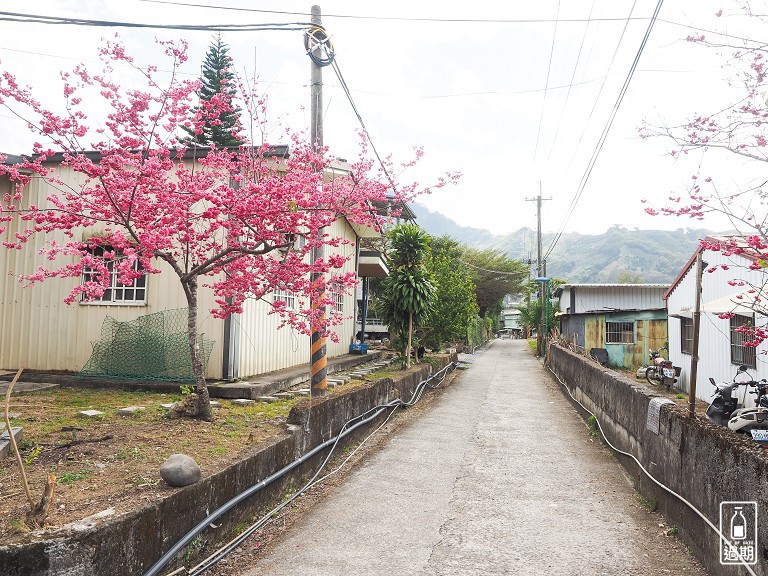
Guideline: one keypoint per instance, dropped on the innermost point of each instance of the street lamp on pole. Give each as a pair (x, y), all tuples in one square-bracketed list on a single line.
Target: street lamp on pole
[(545, 310)]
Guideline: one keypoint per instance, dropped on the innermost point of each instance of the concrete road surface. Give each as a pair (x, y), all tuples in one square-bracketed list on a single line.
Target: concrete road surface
[(499, 477)]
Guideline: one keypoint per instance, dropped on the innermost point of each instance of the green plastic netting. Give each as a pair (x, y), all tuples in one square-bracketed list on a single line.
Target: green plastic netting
[(152, 347)]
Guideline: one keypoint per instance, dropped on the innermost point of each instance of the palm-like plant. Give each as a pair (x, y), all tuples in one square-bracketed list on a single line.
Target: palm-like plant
[(407, 294)]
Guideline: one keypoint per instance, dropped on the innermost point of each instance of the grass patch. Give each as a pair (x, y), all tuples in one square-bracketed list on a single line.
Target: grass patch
[(71, 477), (652, 505), (532, 343), (680, 396), (594, 429)]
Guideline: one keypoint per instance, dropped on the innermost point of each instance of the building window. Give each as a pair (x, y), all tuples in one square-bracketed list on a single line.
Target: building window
[(686, 335), (285, 296), (741, 354), (337, 297), (619, 332), (117, 293)]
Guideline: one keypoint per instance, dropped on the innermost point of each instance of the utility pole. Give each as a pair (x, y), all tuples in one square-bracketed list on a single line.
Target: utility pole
[(541, 268), (318, 356), (696, 327)]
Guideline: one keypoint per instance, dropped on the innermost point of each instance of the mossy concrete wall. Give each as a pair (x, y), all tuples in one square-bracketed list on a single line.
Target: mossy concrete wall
[(128, 544), (704, 463)]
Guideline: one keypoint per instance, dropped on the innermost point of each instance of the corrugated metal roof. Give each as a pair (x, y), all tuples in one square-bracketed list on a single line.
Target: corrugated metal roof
[(639, 286)]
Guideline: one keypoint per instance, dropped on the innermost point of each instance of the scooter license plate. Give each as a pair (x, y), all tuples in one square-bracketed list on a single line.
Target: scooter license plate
[(669, 372)]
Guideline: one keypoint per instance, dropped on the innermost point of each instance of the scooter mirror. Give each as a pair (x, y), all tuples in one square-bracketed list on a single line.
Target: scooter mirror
[(742, 368)]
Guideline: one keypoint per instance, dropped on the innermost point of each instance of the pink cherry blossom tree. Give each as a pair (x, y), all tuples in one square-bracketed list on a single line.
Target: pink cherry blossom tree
[(735, 135), (225, 220)]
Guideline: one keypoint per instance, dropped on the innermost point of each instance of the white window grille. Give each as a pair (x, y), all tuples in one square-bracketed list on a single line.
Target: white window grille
[(117, 293), (289, 298), (337, 297)]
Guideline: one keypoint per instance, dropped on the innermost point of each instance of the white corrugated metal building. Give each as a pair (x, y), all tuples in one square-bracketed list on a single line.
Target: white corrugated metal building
[(38, 331), (720, 346)]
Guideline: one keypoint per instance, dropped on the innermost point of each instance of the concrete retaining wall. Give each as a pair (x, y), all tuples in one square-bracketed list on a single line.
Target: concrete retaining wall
[(129, 544), (704, 463)]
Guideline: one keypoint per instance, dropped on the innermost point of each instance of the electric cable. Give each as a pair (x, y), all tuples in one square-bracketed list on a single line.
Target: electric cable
[(348, 427), (316, 40), (648, 474), (40, 19), (386, 18), (570, 84), (606, 130), (546, 84), (348, 94), (519, 273)]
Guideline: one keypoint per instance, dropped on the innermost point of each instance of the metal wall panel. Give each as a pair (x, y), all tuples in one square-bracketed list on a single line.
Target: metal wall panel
[(612, 297), (264, 347)]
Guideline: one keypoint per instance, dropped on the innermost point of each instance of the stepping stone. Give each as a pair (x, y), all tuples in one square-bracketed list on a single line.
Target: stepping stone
[(130, 410), (167, 406), (332, 384), (267, 399), (303, 392), (284, 395), (215, 404), (90, 413), (242, 401), (5, 441)]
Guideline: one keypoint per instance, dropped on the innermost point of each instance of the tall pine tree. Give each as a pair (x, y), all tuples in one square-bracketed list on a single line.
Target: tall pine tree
[(222, 130)]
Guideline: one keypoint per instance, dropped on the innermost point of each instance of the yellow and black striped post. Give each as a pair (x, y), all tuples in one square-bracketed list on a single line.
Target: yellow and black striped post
[(318, 369)]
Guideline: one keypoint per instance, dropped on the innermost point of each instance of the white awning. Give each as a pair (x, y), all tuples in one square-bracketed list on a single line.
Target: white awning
[(741, 302)]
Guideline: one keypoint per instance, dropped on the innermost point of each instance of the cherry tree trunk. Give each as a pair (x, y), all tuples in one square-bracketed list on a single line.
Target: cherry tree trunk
[(201, 389)]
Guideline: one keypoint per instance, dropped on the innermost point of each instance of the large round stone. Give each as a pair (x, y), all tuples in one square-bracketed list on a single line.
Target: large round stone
[(180, 470)]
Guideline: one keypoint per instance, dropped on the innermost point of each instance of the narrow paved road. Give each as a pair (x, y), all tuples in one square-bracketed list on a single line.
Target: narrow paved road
[(499, 477)]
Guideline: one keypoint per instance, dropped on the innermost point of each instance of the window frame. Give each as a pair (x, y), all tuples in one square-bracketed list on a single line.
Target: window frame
[(281, 295), (109, 298), (686, 335), (337, 296), (740, 354), (620, 333)]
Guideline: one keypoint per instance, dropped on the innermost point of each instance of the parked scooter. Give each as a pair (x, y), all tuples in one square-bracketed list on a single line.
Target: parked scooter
[(660, 370), (726, 410), (754, 418)]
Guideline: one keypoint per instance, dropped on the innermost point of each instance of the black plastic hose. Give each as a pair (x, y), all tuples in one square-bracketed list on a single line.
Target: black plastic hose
[(364, 418)]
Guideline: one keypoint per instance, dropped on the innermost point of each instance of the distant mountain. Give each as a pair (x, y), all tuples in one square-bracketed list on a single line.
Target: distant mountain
[(621, 254)]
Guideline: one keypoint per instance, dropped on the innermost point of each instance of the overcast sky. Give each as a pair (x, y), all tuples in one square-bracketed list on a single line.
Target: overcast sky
[(513, 94)]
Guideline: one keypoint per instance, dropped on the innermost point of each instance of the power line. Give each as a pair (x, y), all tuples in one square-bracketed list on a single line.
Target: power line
[(348, 93), (604, 135), (518, 273), (40, 19), (387, 18), (600, 91), (546, 84), (571, 84)]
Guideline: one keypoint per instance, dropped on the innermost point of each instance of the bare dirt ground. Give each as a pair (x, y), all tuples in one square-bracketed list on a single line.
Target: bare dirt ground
[(113, 461)]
